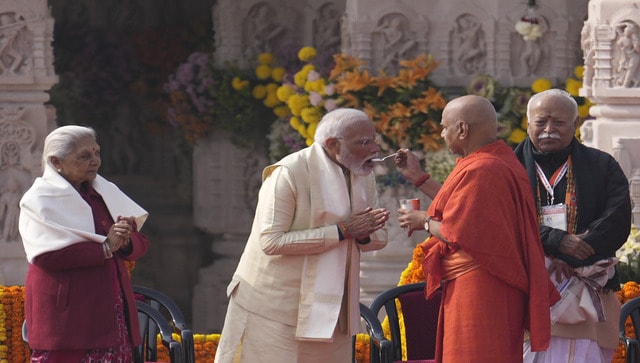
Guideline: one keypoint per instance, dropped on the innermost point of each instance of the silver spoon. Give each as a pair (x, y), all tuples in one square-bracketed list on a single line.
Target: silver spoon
[(384, 157)]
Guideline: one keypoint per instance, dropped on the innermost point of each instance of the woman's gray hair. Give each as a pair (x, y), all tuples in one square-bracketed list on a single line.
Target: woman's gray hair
[(336, 122), (552, 92), (63, 140)]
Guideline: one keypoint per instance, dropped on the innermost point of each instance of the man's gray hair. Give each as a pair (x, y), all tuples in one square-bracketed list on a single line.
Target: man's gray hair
[(63, 140), (552, 92), (336, 122)]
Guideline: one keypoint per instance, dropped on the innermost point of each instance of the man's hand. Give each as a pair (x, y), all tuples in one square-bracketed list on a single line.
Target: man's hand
[(408, 165), (362, 224), (411, 219), (573, 245), (561, 269)]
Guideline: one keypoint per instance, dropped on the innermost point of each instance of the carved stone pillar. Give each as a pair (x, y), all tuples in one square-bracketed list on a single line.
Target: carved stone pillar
[(610, 42), (26, 72)]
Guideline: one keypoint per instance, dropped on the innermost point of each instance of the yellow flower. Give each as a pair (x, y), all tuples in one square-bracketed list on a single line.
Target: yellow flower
[(573, 86), (271, 100), (259, 92), (297, 103), (265, 58), (284, 92), (311, 130), (316, 86), (307, 53), (263, 71), (517, 136), (239, 84), (278, 73), (311, 115), (281, 111), (578, 71), (300, 78), (541, 84)]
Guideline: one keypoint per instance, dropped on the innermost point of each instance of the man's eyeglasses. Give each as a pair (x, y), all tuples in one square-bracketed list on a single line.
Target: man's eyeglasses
[(366, 142)]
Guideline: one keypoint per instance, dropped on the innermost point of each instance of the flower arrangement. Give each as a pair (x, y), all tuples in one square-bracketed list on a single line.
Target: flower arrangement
[(511, 103), (529, 25), (205, 97), (406, 107), (629, 258)]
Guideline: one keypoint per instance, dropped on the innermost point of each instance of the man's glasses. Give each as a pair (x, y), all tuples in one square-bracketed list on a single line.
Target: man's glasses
[(366, 142)]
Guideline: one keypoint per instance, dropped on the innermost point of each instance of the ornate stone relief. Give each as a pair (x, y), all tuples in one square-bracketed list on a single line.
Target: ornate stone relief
[(393, 41), (16, 43), (261, 29), (626, 60), (468, 45), (327, 27), (16, 140)]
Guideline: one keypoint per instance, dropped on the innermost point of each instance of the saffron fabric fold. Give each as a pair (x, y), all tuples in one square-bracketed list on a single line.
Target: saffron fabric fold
[(487, 209)]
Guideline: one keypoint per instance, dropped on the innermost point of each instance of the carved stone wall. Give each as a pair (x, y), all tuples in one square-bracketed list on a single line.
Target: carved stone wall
[(611, 45), (467, 37), (26, 72)]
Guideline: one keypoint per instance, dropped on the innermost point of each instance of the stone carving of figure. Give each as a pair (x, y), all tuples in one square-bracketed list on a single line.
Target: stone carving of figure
[(532, 51), (396, 44), (327, 29), (469, 44), (628, 42), (13, 181), (262, 30), (588, 51), (10, 52)]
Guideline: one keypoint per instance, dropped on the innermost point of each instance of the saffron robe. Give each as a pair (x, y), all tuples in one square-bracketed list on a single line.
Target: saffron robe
[(487, 209)]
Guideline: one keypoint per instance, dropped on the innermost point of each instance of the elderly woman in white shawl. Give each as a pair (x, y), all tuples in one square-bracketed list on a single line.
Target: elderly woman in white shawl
[(78, 229)]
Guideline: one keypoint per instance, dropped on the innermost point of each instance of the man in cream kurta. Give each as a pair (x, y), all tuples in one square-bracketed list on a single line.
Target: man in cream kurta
[(294, 296)]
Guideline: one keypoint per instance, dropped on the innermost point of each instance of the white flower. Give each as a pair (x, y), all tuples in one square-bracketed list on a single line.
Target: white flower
[(528, 29)]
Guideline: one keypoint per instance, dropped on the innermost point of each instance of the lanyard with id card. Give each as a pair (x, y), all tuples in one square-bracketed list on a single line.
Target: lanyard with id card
[(553, 215)]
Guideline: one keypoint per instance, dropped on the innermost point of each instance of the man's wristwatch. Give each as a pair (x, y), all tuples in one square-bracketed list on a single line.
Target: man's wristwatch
[(426, 223)]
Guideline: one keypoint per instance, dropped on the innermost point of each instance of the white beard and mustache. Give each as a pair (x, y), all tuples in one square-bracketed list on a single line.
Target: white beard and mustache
[(546, 135), (356, 165)]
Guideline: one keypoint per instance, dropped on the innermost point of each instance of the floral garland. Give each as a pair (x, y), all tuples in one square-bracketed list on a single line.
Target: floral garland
[(12, 346)]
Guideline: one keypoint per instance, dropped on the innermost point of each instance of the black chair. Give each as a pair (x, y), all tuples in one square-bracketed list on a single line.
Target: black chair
[(167, 306), (631, 345), (420, 321), (379, 346), (155, 323)]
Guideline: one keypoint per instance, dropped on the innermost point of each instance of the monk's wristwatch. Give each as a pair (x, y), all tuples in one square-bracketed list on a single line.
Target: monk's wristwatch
[(426, 224)]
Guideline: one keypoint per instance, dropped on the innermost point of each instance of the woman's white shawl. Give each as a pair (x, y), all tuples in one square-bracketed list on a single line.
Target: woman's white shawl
[(53, 215)]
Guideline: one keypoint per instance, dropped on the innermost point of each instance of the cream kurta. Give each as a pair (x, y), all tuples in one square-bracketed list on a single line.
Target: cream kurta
[(293, 227)]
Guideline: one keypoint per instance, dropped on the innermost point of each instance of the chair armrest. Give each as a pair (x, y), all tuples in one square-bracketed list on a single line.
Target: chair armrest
[(631, 348), (381, 347)]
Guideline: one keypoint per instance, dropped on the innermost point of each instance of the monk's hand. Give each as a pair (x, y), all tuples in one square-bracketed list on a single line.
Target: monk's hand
[(412, 220), (573, 245), (362, 224), (408, 165), (560, 269)]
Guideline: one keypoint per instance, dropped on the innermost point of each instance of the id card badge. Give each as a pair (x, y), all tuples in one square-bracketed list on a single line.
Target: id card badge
[(555, 216)]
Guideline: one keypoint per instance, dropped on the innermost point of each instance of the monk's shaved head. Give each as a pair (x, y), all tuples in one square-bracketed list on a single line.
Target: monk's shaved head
[(477, 111), (469, 122)]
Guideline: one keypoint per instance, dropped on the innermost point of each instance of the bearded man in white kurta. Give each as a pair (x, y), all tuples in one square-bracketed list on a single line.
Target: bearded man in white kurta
[(295, 294)]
